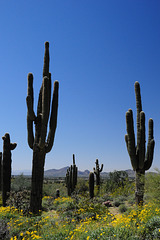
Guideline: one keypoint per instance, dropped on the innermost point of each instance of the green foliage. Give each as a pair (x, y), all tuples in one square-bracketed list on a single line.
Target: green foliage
[(118, 183), (117, 203), (152, 186), (122, 208), (82, 186), (80, 218), (20, 183), (19, 200), (4, 231), (152, 228), (47, 203), (50, 187)]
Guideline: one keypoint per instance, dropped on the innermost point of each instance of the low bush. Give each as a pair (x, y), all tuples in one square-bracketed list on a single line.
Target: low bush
[(122, 208), (20, 183), (20, 200), (4, 230)]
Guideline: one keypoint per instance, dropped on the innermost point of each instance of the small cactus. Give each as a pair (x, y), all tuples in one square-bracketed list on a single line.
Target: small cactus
[(57, 193), (6, 169), (141, 159), (91, 185), (71, 177), (97, 172)]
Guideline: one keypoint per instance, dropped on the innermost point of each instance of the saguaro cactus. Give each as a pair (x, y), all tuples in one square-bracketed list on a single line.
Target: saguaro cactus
[(0, 171), (41, 143), (6, 166), (97, 172), (71, 177), (141, 159), (75, 171), (91, 184)]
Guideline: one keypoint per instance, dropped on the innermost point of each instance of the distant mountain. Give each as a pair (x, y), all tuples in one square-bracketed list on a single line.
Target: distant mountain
[(56, 172), (62, 173), (83, 174)]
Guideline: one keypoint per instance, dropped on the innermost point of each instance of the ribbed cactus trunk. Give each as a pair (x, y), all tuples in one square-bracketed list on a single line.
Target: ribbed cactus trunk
[(140, 182), (91, 185), (0, 171), (75, 169), (39, 142), (141, 159), (68, 182), (6, 167), (37, 180)]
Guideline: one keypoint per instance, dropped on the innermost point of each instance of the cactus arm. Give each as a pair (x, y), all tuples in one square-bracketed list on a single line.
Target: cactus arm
[(45, 96), (53, 118), (39, 106), (46, 60), (30, 112), (130, 139), (126, 140), (149, 160), (150, 146), (95, 172), (45, 111), (73, 159), (13, 146), (101, 168), (49, 90), (142, 141), (139, 108)]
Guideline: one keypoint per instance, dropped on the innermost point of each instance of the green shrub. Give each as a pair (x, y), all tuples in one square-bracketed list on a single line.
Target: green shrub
[(82, 186), (117, 203), (20, 200), (4, 231), (152, 228), (47, 203), (122, 208), (152, 187), (20, 183), (50, 187)]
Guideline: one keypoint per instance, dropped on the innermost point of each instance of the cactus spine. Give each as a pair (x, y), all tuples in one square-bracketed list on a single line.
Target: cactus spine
[(40, 143), (91, 185), (6, 166), (141, 159), (71, 177), (97, 172)]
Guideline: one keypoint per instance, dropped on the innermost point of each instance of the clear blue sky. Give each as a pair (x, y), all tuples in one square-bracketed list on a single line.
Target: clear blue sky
[(98, 49)]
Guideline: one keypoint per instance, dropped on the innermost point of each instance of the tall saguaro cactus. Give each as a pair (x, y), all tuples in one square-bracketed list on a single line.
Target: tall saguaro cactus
[(6, 166), (91, 184), (141, 159), (71, 177), (40, 143), (0, 171), (97, 172)]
